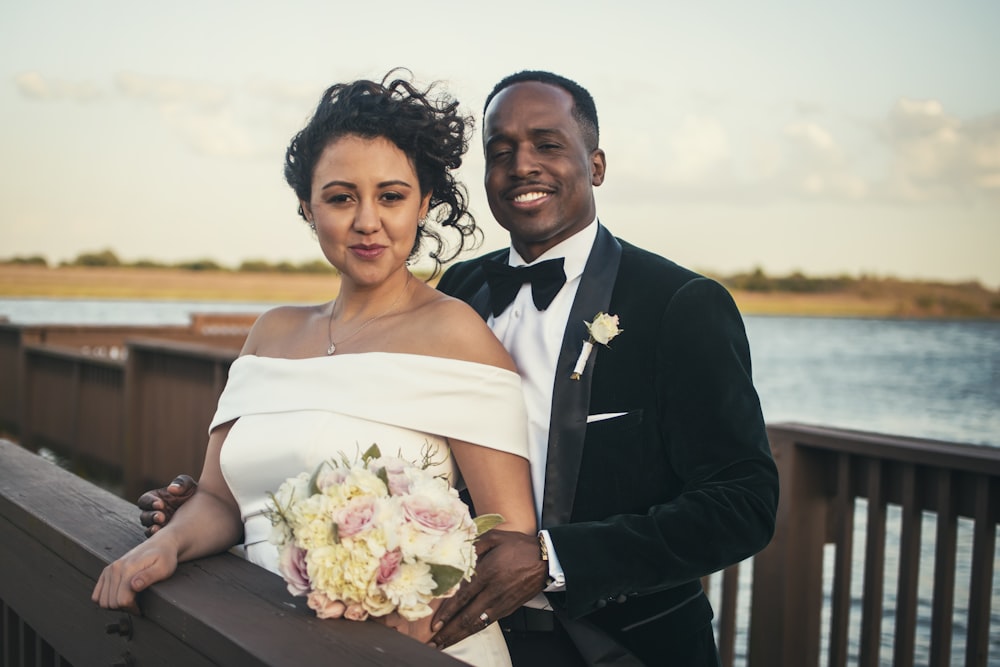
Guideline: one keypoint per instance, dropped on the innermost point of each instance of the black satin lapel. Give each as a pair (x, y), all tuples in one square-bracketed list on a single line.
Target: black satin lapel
[(480, 301), (571, 398)]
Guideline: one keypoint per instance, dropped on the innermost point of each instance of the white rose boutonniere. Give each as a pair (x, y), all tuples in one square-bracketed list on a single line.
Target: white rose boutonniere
[(601, 330)]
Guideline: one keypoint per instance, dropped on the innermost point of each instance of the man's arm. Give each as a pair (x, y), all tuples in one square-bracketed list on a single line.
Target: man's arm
[(157, 506)]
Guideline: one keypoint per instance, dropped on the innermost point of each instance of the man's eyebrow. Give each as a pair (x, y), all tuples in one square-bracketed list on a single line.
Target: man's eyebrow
[(534, 132), (546, 131)]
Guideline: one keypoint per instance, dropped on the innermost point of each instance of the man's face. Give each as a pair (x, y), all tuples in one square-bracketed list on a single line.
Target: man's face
[(540, 175)]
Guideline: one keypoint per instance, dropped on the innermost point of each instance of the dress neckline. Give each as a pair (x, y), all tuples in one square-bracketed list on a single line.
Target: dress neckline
[(355, 356)]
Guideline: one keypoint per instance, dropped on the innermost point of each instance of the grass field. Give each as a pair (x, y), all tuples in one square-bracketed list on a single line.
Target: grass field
[(132, 283), (884, 299)]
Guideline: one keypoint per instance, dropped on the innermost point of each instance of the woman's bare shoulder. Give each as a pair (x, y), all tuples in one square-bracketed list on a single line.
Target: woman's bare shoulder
[(456, 331), (277, 324)]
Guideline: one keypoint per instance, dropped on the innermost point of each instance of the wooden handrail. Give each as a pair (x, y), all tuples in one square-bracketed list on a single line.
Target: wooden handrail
[(58, 531)]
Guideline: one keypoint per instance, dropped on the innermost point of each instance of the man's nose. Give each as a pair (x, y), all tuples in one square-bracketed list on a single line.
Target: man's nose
[(524, 164)]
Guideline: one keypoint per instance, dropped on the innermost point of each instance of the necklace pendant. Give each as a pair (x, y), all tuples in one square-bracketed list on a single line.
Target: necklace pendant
[(330, 350)]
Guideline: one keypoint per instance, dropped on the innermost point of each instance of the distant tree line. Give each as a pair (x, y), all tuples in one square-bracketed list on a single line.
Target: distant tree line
[(758, 281), (108, 258)]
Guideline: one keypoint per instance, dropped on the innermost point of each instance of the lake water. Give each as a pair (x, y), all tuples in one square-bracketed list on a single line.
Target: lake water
[(930, 379)]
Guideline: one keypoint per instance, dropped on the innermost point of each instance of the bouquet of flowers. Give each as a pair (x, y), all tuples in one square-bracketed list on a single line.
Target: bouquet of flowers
[(373, 536)]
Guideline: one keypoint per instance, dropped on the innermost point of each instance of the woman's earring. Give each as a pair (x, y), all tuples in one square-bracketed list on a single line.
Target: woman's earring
[(421, 223), (312, 226)]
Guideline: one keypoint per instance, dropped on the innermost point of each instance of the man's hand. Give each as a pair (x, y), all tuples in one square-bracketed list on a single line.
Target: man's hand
[(509, 572), (158, 506)]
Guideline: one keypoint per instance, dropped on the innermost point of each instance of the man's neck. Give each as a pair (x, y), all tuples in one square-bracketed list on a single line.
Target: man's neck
[(531, 252)]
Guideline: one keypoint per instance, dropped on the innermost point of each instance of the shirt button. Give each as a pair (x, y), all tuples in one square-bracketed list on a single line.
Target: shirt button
[(517, 313)]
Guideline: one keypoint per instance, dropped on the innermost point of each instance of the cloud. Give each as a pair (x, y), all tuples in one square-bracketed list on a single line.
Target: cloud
[(215, 134), (917, 154), (171, 91), (815, 165), (37, 87), (301, 95), (936, 156)]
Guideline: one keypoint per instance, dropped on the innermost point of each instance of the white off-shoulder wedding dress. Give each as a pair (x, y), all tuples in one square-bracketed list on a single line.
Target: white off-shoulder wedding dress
[(292, 414)]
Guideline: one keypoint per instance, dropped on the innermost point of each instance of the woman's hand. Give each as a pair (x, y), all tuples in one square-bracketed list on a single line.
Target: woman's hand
[(134, 572), (419, 629)]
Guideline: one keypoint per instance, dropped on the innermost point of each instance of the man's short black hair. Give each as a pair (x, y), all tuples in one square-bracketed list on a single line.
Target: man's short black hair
[(584, 109)]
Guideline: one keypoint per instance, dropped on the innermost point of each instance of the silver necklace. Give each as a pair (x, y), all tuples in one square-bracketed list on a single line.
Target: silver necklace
[(329, 325)]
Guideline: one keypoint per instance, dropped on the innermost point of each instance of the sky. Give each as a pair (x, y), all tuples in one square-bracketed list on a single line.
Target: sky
[(828, 138)]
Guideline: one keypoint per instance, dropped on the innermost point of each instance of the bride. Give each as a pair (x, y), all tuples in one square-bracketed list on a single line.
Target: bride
[(390, 361)]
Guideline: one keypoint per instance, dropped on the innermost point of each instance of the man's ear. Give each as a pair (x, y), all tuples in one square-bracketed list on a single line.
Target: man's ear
[(598, 165)]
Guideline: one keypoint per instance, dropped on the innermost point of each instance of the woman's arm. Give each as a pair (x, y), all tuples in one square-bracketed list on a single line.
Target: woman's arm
[(499, 483), (208, 523)]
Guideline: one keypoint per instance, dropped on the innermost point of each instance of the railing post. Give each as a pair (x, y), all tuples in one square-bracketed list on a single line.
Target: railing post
[(785, 618)]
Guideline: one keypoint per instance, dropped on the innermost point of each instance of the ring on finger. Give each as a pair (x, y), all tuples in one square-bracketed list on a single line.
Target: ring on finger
[(485, 618)]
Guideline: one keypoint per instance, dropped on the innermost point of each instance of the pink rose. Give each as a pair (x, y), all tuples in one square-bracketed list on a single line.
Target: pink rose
[(433, 517), (356, 612), (324, 606), (395, 472), (355, 517), (388, 565), (292, 566), (331, 477)]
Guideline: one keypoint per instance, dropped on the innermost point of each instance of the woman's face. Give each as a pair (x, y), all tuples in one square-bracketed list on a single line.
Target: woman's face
[(365, 202)]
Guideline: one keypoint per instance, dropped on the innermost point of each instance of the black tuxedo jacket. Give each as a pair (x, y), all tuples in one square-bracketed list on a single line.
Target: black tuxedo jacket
[(640, 506)]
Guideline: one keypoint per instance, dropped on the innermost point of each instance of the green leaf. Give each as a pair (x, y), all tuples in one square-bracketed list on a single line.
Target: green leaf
[(384, 476), (313, 489), (486, 522), (445, 577), (371, 453)]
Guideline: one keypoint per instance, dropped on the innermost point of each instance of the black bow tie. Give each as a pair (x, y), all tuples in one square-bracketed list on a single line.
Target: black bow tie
[(546, 279)]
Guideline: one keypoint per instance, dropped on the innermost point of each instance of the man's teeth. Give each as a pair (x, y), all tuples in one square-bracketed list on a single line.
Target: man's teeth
[(529, 196)]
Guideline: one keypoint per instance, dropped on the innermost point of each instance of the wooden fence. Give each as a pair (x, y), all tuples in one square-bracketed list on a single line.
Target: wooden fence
[(827, 477)]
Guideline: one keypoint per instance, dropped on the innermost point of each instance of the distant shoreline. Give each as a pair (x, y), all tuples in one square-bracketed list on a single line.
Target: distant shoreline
[(883, 299)]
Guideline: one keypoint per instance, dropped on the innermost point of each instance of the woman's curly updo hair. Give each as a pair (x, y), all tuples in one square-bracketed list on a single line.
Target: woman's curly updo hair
[(425, 125)]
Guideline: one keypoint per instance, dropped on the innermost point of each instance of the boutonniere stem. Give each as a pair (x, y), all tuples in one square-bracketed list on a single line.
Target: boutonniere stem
[(601, 330)]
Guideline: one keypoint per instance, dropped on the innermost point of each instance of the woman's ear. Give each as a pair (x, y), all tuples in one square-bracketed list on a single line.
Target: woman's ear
[(425, 206)]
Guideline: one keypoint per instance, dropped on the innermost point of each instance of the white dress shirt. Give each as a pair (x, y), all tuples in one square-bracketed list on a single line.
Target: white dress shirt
[(533, 338)]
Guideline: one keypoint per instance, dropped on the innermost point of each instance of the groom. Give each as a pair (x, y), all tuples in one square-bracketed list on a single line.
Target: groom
[(650, 470)]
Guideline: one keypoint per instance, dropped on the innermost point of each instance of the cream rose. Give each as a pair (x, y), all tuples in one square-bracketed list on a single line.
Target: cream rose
[(603, 328)]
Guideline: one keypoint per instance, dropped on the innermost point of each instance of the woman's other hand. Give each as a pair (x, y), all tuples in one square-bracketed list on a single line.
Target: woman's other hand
[(419, 629)]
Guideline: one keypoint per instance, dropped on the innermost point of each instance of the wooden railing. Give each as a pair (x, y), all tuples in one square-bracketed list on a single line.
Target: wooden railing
[(171, 391), (130, 405), (224, 330), (893, 486), (58, 531)]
